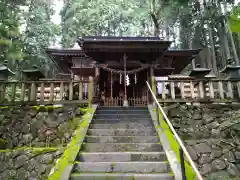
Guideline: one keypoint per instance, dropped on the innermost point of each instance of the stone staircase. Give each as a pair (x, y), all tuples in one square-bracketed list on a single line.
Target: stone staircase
[(121, 143)]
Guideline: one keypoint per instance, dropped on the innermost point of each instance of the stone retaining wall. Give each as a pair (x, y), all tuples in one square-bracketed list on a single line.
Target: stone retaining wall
[(33, 138), (28, 163), (37, 127), (212, 136)]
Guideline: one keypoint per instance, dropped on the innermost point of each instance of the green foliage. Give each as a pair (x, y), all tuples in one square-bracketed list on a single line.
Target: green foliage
[(110, 17), (25, 32), (234, 19), (10, 38), (39, 33)]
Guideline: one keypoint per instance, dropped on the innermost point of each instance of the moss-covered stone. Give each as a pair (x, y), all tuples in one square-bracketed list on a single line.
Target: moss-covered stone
[(3, 143), (190, 174), (39, 151), (73, 148), (45, 108)]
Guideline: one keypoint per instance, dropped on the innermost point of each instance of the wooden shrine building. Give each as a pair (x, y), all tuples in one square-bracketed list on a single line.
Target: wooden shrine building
[(111, 60)]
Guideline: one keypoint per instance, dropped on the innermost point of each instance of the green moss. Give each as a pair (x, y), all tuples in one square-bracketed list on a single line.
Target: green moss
[(3, 143), (174, 146), (73, 148), (35, 151), (4, 107), (45, 108), (39, 151), (83, 105), (83, 110)]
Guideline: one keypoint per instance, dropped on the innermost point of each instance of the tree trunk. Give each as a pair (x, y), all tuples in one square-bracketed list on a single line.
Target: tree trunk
[(224, 34), (156, 32), (167, 32), (231, 37), (213, 55), (212, 52)]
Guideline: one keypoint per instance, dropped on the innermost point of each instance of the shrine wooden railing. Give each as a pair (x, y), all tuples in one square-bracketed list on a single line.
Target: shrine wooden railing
[(216, 90), (118, 101), (46, 92)]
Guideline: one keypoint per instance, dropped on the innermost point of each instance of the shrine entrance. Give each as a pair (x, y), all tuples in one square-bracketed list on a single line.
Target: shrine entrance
[(112, 87)]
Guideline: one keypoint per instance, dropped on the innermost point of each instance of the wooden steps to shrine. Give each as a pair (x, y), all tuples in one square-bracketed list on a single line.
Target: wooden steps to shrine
[(121, 143)]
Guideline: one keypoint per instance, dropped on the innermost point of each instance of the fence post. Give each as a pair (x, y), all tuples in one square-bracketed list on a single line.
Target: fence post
[(2, 91), (157, 111), (33, 92), (90, 91), (153, 83), (182, 164)]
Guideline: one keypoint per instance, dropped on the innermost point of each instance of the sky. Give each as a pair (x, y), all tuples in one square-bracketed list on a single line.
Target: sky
[(58, 4)]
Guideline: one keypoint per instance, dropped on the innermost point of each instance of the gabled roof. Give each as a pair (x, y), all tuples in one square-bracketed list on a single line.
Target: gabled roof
[(120, 38), (141, 49), (179, 58)]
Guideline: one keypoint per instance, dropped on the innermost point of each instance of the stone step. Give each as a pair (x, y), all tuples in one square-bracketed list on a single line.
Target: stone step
[(123, 167), (121, 108), (121, 156), (122, 132), (121, 139), (121, 147), (121, 125), (105, 111), (121, 176), (122, 116), (122, 120)]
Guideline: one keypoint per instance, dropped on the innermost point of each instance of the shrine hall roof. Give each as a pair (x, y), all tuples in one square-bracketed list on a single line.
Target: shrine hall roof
[(141, 49), (120, 38)]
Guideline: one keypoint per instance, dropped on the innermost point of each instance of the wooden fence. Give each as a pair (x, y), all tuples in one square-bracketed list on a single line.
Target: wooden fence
[(46, 92), (198, 91), (118, 101)]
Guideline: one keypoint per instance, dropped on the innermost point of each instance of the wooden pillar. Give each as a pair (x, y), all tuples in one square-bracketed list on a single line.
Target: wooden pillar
[(125, 102), (33, 91), (111, 86), (96, 84), (90, 90), (97, 71), (2, 91), (153, 82)]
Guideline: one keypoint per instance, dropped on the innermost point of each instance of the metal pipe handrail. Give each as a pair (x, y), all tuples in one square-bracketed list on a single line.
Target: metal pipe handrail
[(176, 135)]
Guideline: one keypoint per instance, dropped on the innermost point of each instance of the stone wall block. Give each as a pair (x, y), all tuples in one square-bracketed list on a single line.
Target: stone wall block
[(233, 170), (215, 153), (206, 168), (202, 148), (229, 157), (218, 164), (192, 153), (237, 155), (204, 159), (20, 161)]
